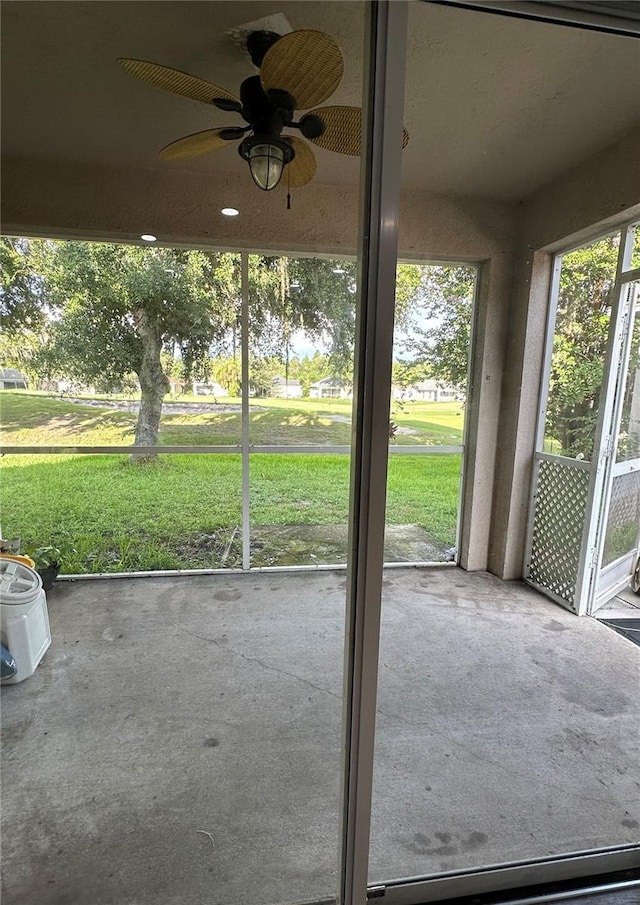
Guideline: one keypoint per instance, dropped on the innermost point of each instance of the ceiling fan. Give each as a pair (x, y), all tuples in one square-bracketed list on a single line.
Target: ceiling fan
[(297, 71)]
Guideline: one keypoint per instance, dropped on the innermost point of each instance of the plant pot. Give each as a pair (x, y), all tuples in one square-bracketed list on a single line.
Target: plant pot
[(48, 576)]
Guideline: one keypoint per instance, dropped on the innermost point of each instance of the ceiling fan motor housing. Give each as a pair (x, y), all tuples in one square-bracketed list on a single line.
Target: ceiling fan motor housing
[(265, 112)]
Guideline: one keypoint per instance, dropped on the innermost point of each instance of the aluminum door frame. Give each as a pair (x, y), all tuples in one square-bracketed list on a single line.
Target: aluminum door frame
[(603, 583), (600, 467), (606, 429), (382, 123)]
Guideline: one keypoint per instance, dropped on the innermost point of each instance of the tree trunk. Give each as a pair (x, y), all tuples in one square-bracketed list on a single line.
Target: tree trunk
[(153, 384)]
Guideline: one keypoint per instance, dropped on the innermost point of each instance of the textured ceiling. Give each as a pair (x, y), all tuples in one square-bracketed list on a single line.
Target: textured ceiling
[(494, 106)]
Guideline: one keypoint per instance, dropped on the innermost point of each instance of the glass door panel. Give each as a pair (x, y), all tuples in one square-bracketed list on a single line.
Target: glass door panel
[(187, 729), (494, 741), (620, 525)]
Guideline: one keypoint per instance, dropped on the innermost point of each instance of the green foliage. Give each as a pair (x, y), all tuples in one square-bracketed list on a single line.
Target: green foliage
[(308, 370), (227, 372), (106, 291), (21, 290), (306, 294), (444, 303), (620, 541), (29, 351), (110, 311), (25, 341), (311, 369), (409, 280), (629, 435), (44, 557), (172, 366), (582, 322), (408, 373), (262, 372)]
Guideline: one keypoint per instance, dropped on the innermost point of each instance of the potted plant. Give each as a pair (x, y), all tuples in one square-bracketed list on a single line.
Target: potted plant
[(47, 560)]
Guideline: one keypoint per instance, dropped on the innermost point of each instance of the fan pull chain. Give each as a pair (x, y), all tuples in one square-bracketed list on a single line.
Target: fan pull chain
[(288, 188)]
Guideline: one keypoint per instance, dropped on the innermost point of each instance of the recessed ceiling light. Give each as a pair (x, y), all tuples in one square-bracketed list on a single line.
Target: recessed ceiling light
[(147, 237), (230, 211)]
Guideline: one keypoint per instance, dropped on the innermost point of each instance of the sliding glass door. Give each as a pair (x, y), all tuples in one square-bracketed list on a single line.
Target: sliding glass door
[(493, 727)]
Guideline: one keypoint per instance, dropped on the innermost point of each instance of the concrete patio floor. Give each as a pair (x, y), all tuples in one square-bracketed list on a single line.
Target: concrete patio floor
[(180, 742)]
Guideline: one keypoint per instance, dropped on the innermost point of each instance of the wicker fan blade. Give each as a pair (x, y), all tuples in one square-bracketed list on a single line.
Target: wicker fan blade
[(342, 128), (307, 64), (194, 145), (176, 81), (302, 168)]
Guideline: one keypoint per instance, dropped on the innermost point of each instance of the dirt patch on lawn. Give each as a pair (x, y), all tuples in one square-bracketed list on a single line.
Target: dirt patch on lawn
[(298, 545), (218, 549), (302, 545)]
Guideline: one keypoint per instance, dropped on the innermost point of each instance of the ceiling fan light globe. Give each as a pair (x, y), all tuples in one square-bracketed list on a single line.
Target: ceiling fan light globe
[(266, 162), (267, 156)]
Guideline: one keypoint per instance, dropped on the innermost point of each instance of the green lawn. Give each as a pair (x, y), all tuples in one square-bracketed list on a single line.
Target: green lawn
[(30, 419), (108, 513)]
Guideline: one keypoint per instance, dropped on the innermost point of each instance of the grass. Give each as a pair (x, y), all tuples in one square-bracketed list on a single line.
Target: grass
[(109, 514), (30, 419)]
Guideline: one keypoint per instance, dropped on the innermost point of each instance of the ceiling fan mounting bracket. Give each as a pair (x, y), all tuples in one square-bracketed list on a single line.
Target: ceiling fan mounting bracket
[(258, 43)]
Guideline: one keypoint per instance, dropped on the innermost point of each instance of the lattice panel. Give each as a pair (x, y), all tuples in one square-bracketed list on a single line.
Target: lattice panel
[(624, 517), (560, 511)]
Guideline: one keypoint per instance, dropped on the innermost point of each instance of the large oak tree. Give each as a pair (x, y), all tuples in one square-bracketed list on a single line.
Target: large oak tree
[(121, 306), (113, 310)]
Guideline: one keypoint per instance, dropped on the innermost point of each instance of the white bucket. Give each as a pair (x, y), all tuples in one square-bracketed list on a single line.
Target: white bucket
[(24, 618)]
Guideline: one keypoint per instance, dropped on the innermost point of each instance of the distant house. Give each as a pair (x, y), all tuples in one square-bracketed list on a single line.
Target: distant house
[(209, 389), (288, 389), (426, 391), (67, 387), (12, 379), (328, 388), (177, 386)]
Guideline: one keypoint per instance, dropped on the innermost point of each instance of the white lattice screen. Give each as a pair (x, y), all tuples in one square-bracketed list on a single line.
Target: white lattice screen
[(559, 522)]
